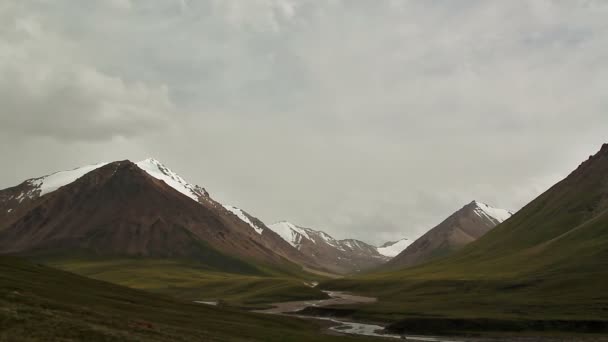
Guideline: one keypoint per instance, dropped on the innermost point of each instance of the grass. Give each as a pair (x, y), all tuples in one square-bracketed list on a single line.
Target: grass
[(39, 303), (187, 280)]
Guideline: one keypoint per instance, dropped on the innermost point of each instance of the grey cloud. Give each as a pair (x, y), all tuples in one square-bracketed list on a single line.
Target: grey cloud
[(46, 89), (370, 119)]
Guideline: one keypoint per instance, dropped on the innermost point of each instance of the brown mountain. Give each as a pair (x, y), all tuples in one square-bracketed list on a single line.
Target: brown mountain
[(127, 209), (461, 228), (339, 256)]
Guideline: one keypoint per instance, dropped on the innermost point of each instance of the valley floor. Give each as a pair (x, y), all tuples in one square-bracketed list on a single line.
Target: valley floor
[(472, 307), (192, 282), (39, 303)]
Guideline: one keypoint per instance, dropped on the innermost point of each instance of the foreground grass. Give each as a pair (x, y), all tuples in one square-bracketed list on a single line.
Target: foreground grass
[(187, 281), (39, 303)]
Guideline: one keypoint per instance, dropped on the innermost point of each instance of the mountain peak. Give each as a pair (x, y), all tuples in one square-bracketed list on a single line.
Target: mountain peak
[(159, 171), (484, 210)]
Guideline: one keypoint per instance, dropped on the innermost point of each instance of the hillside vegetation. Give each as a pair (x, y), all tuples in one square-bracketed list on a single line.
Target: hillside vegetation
[(39, 303), (546, 268), (190, 281)]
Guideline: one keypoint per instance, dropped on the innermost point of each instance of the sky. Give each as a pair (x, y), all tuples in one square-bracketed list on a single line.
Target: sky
[(367, 119)]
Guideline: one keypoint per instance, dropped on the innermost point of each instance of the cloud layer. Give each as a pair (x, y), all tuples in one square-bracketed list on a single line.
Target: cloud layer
[(369, 119)]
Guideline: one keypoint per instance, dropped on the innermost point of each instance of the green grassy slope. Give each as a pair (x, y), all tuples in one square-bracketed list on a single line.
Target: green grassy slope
[(189, 281), (38, 303), (549, 262)]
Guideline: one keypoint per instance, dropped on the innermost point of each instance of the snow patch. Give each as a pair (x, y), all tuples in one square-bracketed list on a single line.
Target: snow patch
[(52, 182), (329, 240), (291, 233), (392, 250), (47, 184), (157, 170), (241, 215), (210, 302), (484, 210)]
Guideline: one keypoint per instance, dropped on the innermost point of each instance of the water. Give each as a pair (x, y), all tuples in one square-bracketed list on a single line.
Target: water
[(214, 303), (346, 327)]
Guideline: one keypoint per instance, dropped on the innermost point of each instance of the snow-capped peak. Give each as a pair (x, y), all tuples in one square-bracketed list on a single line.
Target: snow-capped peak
[(393, 248), (241, 215), (159, 171), (495, 214), (291, 233), (46, 184)]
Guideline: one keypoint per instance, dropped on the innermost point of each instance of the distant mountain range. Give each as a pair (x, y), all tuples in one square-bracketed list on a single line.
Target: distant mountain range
[(134, 209), (145, 209), (339, 256)]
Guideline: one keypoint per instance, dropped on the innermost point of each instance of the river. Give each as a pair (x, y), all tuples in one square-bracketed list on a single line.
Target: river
[(342, 326)]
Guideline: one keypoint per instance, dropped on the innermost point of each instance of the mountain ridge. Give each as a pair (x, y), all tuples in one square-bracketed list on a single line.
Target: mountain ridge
[(342, 256), (29, 217)]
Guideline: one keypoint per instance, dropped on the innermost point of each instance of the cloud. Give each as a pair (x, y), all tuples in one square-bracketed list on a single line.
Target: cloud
[(370, 119), (46, 89)]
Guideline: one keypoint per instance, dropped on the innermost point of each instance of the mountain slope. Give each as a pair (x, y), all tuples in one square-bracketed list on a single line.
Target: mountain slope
[(545, 268), (340, 256), (461, 228), (127, 209), (570, 214), (43, 304)]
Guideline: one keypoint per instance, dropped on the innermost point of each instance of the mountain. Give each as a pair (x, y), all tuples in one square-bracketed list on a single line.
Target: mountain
[(135, 209), (392, 248), (543, 269), (340, 256), (461, 228)]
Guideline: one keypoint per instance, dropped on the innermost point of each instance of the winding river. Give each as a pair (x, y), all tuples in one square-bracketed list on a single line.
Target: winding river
[(341, 326)]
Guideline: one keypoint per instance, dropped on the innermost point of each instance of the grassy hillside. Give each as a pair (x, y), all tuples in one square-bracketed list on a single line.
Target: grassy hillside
[(546, 268), (38, 303), (191, 281)]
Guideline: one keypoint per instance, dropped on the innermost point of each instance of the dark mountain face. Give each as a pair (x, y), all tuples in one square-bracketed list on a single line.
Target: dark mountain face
[(461, 228), (120, 210)]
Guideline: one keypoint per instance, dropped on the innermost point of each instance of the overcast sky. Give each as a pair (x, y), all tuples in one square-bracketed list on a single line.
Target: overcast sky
[(368, 119)]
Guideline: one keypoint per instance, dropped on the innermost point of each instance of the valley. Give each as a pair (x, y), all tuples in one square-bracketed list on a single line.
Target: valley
[(303, 171), (121, 234)]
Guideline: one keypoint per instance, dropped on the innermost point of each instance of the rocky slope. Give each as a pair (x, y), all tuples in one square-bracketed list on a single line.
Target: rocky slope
[(134, 209), (340, 256), (463, 227)]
